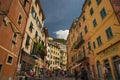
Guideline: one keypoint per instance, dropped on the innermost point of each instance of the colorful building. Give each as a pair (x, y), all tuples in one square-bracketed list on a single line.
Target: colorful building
[(53, 50), (13, 18), (105, 39), (32, 55), (63, 56), (100, 39)]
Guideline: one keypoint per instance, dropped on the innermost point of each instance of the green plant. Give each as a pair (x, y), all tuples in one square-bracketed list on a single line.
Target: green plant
[(39, 49)]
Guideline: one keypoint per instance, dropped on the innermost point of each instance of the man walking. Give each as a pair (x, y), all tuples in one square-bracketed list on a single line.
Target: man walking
[(76, 74), (84, 74)]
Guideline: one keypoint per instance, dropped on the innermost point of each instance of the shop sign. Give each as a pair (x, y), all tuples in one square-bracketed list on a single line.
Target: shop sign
[(108, 52)]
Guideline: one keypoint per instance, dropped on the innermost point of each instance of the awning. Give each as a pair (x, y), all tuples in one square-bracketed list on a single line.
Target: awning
[(76, 65), (27, 58), (57, 67)]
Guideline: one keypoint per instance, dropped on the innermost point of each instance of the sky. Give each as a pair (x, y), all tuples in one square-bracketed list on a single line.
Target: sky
[(60, 14)]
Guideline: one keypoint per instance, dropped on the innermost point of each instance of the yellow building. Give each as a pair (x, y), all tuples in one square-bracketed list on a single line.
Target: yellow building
[(78, 44), (53, 51), (63, 56), (71, 52), (104, 37), (99, 26), (34, 35)]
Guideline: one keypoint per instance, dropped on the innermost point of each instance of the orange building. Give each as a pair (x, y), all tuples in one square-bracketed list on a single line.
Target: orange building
[(99, 43), (13, 17)]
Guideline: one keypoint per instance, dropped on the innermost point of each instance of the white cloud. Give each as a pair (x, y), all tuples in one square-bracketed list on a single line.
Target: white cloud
[(62, 34)]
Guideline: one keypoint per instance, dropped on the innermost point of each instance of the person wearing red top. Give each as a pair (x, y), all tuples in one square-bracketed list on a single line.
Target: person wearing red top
[(31, 73)]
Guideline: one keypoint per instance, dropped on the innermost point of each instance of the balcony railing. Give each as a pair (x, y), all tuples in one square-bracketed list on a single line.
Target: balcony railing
[(79, 42), (38, 50), (81, 57)]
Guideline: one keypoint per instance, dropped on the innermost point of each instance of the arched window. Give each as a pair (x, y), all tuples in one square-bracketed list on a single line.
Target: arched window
[(99, 69)]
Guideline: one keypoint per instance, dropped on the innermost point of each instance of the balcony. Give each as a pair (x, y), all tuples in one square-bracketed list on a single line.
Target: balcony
[(81, 57), (38, 50), (79, 42)]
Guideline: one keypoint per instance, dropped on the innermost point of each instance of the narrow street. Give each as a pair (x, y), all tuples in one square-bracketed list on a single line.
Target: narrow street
[(59, 78), (59, 39)]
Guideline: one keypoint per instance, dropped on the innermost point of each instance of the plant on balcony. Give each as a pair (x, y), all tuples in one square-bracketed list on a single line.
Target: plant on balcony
[(39, 49)]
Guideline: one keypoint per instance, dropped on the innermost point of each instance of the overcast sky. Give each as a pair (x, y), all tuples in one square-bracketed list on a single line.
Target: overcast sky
[(60, 14)]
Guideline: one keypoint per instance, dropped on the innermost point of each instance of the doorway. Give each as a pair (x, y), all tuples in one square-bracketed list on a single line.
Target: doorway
[(116, 61), (117, 67)]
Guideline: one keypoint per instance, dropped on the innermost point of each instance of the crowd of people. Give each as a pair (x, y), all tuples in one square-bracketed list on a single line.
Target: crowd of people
[(30, 75), (83, 74)]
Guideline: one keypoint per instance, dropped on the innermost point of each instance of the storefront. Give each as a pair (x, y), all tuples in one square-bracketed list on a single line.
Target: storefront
[(108, 63), (27, 62)]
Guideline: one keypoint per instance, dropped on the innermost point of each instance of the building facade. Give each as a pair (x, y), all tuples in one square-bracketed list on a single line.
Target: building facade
[(33, 47), (106, 44), (11, 35), (99, 39), (63, 56), (53, 51)]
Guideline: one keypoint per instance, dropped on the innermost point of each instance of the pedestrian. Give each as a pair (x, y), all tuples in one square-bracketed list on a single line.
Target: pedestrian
[(84, 74), (76, 74), (26, 75), (63, 73), (31, 74)]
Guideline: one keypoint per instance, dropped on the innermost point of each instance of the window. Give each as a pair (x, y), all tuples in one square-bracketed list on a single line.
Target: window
[(99, 69), (109, 33), (19, 19), (33, 12), (14, 39), (31, 27), (94, 45), (98, 2), (0, 67), (81, 37), (83, 18), (91, 11), (24, 2), (85, 29), (99, 41), (89, 3), (89, 46), (103, 13), (107, 68), (83, 49), (39, 25), (27, 41), (94, 23), (9, 59)]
